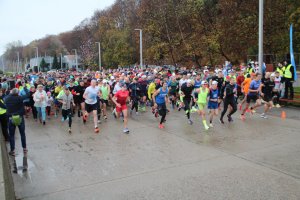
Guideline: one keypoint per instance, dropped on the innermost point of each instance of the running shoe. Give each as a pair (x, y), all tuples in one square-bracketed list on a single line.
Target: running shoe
[(114, 113), (96, 130), (211, 125), (70, 131), (99, 121), (206, 127), (263, 116), (221, 121), (105, 117), (44, 123), (161, 126), (190, 122), (126, 130), (12, 153), (278, 106), (137, 113), (229, 118), (243, 118)]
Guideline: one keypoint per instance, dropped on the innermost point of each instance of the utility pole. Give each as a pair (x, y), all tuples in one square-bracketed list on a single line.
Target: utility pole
[(99, 52), (141, 47), (261, 36)]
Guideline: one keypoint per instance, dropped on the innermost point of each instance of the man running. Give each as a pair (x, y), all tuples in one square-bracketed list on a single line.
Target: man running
[(253, 95), (268, 85), (187, 93), (229, 99), (90, 96)]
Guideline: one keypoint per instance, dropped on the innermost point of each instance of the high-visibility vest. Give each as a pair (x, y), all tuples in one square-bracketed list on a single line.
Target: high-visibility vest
[(280, 71), (2, 110), (287, 72)]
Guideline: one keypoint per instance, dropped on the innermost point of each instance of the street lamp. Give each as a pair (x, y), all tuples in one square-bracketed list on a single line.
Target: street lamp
[(76, 57), (37, 55), (99, 52), (18, 54), (261, 35), (61, 57), (141, 46)]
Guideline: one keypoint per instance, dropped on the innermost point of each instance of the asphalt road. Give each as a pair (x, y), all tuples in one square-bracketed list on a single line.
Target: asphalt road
[(255, 159)]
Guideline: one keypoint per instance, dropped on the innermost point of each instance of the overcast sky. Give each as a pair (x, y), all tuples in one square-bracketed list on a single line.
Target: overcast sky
[(27, 20)]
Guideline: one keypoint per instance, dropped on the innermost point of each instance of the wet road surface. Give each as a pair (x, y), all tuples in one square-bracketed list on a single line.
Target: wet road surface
[(255, 159)]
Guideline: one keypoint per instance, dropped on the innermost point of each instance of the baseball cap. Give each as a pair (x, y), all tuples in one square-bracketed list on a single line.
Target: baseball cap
[(204, 83), (214, 83)]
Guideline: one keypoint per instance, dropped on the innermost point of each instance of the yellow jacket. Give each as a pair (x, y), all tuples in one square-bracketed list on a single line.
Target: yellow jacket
[(151, 90)]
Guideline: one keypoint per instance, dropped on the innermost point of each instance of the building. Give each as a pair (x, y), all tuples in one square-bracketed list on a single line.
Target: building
[(68, 61)]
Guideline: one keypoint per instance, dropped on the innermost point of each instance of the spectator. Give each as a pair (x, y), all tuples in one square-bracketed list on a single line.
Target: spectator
[(15, 114)]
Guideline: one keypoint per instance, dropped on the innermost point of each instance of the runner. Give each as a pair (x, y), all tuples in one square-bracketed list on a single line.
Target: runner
[(186, 92), (134, 89), (120, 99), (202, 101), (40, 98), (229, 99), (160, 98), (213, 102), (268, 85), (253, 94), (78, 98), (104, 95), (173, 90), (67, 101), (90, 96), (245, 89)]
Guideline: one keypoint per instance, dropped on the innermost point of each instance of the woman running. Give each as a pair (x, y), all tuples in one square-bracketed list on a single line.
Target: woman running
[(120, 99), (160, 98)]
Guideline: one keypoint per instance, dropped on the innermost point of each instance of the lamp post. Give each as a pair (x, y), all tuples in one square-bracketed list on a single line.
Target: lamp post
[(261, 35), (61, 57), (99, 52), (37, 55), (141, 46), (76, 57)]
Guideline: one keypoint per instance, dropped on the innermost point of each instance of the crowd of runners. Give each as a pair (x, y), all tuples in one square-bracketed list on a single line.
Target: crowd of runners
[(213, 94)]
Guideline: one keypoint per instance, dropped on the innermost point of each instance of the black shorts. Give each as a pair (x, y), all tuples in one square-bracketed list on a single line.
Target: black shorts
[(91, 107), (143, 94), (103, 101), (267, 98), (249, 98)]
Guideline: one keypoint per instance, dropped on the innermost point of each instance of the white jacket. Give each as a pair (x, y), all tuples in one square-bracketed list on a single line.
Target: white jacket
[(40, 99)]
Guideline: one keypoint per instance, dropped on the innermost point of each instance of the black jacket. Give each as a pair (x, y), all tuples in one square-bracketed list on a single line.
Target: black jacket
[(14, 105), (2, 105)]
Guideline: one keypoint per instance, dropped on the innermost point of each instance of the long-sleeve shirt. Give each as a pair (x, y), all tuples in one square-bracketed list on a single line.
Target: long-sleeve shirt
[(40, 99)]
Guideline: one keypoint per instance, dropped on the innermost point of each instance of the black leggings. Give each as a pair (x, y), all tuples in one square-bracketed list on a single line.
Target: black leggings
[(135, 104), (229, 101), (187, 108), (162, 111), (66, 114), (34, 111)]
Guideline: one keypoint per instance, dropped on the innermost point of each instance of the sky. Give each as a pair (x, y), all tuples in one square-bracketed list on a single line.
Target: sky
[(27, 20)]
